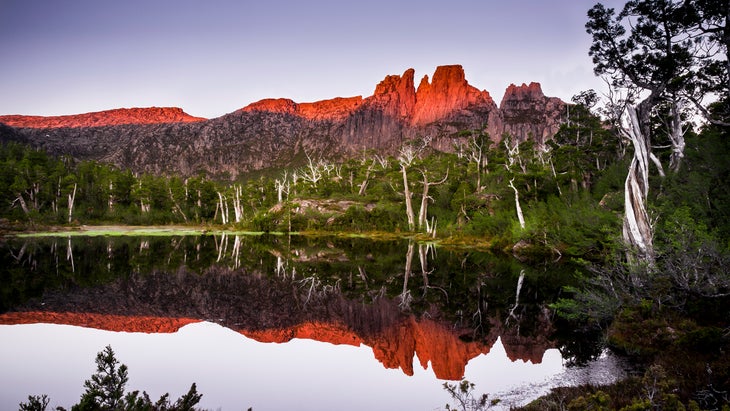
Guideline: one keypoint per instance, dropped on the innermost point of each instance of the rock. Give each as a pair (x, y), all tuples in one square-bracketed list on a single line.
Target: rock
[(334, 109), (529, 115), (449, 92)]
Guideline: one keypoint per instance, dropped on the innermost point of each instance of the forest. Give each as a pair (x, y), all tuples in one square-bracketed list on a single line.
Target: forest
[(634, 186), (552, 198)]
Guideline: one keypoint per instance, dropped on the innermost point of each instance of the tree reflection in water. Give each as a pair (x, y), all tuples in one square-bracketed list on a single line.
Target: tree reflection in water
[(274, 288)]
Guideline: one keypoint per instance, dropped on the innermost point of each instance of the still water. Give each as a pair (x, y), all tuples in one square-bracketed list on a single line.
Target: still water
[(283, 322)]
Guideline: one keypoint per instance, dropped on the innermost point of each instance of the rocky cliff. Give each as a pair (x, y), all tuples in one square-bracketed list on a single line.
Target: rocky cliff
[(275, 132), (529, 115)]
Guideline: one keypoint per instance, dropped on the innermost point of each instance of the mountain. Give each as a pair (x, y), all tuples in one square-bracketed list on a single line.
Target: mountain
[(278, 132)]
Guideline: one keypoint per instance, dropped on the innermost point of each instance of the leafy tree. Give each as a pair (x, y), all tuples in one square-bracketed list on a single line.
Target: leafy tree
[(464, 399), (35, 403), (662, 58), (105, 391)]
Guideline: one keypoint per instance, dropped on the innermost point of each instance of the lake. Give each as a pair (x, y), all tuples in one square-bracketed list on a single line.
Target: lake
[(285, 322)]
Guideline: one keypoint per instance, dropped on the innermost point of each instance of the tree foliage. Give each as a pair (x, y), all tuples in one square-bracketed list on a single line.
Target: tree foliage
[(105, 391)]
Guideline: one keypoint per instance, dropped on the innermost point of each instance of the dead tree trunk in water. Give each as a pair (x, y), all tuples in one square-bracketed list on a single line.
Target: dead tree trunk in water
[(405, 296)]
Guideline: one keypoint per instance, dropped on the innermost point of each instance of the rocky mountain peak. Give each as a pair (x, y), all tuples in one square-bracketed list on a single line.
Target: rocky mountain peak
[(447, 93), (395, 95), (273, 105), (533, 91), (333, 109), (528, 113)]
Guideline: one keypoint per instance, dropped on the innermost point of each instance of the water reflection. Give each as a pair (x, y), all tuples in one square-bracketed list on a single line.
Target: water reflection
[(442, 307)]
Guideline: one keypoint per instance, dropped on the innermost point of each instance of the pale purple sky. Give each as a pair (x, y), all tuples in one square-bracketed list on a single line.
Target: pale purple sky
[(213, 57)]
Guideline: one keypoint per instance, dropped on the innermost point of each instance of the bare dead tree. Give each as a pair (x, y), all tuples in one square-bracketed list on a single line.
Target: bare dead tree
[(223, 207), (237, 206), (518, 208), (365, 181), (423, 211), (175, 206), (71, 198), (314, 171), (405, 159), (282, 186)]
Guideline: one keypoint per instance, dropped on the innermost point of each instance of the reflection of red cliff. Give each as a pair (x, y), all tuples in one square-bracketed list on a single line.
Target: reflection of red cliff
[(317, 331), (431, 342), (395, 346), (141, 324)]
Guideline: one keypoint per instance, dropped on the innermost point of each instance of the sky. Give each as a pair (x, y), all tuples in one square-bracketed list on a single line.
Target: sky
[(211, 57)]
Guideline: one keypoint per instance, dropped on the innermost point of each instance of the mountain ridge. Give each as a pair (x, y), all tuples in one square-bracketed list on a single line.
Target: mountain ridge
[(274, 133), (111, 117)]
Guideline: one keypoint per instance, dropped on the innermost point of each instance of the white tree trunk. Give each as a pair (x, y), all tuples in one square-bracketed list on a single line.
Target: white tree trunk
[(70, 255), (364, 184), (111, 196), (520, 216), (282, 187), (423, 211), (409, 204), (405, 296), (23, 205), (637, 230), (520, 279), (223, 205), (237, 207), (71, 198), (175, 206), (676, 135)]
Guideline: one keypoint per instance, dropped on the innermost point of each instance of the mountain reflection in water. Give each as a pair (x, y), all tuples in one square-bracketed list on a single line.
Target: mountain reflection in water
[(403, 300)]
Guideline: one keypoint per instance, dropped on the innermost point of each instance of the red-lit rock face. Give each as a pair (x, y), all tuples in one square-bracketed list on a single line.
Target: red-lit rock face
[(334, 109), (141, 324), (523, 92), (395, 96), (395, 346), (447, 93), (151, 115)]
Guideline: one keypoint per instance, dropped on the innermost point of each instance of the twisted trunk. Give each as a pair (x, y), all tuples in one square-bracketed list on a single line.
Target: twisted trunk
[(637, 230)]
